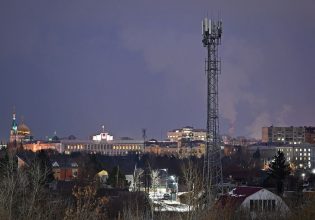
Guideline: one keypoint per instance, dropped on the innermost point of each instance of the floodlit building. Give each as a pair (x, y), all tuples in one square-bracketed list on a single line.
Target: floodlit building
[(187, 133), (299, 156), (103, 136), (19, 133), (111, 148), (288, 135), (44, 145)]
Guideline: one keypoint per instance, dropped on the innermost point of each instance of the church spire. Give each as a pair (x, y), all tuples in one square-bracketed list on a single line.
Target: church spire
[(14, 123), (14, 127)]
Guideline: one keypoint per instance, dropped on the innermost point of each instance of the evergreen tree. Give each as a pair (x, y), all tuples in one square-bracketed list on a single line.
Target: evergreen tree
[(117, 179), (44, 163), (279, 170), (256, 155)]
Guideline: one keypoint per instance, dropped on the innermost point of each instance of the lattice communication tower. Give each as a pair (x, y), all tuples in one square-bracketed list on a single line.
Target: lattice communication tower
[(212, 168)]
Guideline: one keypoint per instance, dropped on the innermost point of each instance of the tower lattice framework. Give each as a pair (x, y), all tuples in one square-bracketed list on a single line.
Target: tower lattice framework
[(212, 169)]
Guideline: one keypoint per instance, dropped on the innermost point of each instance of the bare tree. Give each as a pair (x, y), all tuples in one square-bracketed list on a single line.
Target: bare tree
[(193, 180), (155, 180), (137, 179), (23, 194), (86, 205)]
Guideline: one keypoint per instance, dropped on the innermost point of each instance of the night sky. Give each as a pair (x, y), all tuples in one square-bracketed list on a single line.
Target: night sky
[(72, 66)]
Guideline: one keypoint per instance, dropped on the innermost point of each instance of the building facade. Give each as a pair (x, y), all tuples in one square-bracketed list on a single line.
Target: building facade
[(44, 145), (256, 201), (111, 148), (19, 133), (299, 156), (187, 133), (288, 135)]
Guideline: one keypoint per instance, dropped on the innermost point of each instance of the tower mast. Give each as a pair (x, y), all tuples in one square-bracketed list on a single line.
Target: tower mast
[(212, 168)]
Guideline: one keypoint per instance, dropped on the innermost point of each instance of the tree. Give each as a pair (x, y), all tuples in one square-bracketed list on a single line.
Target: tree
[(117, 179), (192, 178), (155, 180), (87, 205), (279, 170), (256, 155), (45, 167)]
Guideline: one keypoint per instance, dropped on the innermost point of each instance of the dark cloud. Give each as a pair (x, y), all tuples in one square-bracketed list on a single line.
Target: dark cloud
[(71, 66)]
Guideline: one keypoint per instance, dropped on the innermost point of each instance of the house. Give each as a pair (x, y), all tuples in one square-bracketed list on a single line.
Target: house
[(24, 158), (255, 200), (102, 177), (64, 169)]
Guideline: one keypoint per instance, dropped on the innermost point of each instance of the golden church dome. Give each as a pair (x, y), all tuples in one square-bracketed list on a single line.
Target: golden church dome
[(22, 128)]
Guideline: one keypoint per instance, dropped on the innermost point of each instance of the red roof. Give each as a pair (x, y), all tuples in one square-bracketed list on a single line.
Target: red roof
[(235, 198), (244, 191)]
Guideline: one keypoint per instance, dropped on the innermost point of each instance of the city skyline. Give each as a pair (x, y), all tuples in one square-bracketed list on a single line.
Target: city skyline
[(72, 67)]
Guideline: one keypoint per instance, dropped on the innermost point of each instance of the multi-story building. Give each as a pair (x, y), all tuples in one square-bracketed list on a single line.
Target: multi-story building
[(169, 148), (288, 135), (187, 133), (111, 148), (238, 141), (44, 145), (300, 156)]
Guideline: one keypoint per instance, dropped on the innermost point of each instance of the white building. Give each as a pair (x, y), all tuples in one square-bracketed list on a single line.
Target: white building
[(302, 156), (187, 133), (104, 136), (111, 148), (255, 200)]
